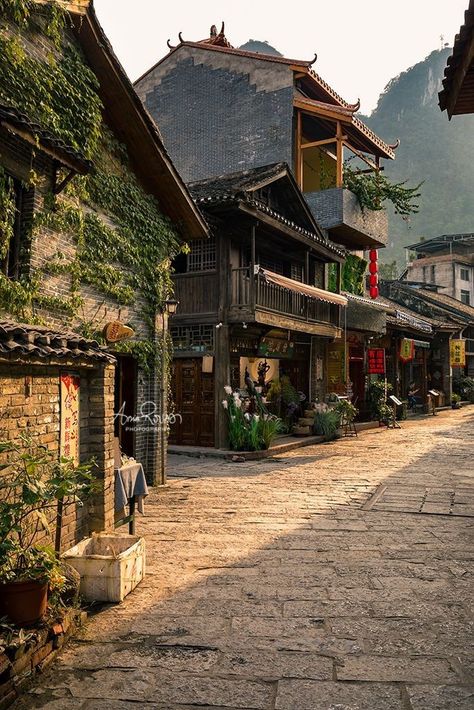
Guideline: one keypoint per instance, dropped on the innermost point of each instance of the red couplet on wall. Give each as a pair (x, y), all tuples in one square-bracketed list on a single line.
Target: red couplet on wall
[(373, 271)]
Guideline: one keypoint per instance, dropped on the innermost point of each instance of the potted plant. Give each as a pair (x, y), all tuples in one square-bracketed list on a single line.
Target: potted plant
[(251, 426), (456, 401), (33, 489)]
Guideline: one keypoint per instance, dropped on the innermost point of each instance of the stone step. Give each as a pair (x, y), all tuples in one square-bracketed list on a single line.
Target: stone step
[(309, 413), (306, 421), (302, 430)]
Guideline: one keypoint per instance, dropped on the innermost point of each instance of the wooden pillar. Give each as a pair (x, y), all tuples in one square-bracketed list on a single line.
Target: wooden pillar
[(253, 259), (221, 379), (298, 151), (306, 276), (339, 277), (340, 156)]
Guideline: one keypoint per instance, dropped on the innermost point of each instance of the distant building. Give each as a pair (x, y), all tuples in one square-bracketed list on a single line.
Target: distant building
[(447, 262)]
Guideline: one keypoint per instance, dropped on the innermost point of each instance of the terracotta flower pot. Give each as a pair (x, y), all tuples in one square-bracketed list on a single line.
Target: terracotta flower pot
[(24, 602)]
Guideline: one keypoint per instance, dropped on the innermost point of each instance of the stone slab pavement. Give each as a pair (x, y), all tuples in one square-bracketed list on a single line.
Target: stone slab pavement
[(337, 577)]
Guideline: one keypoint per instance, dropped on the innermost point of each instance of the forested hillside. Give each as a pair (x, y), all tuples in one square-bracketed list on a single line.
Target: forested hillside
[(432, 149)]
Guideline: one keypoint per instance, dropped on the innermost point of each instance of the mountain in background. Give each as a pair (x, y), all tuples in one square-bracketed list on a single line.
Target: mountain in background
[(255, 45), (432, 149)]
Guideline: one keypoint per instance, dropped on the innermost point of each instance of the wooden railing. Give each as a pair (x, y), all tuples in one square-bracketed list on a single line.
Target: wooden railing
[(271, 297)]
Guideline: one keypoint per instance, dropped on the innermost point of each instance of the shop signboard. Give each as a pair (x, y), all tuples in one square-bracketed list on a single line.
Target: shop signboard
[(275, 347), (407, 349), (376, 361), (458, 353), (69, 430)]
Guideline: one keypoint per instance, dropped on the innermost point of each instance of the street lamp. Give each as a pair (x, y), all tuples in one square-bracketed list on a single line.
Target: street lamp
[(168, 309)]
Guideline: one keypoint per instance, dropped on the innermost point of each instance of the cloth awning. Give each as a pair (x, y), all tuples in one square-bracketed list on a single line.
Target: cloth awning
[(305, 289)]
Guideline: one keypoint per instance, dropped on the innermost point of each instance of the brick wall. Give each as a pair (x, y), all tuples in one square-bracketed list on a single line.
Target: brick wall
[(30, 404), (220, 113)]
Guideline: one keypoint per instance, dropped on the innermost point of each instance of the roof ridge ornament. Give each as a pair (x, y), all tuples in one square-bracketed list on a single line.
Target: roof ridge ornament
[(314, 60), (170, 46), (395, 145), (354, 107)]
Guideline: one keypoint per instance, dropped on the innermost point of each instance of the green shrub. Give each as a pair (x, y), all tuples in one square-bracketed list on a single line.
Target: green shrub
[(326, 422)]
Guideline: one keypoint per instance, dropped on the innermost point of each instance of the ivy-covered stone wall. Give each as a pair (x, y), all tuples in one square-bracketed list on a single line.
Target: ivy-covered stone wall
[(100, 250)]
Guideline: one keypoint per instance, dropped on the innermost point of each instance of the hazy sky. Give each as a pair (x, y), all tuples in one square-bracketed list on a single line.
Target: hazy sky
[(361, 44)]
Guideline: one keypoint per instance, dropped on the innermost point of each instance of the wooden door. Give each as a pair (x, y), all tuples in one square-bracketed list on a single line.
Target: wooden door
[(125, 402), (193, 395)]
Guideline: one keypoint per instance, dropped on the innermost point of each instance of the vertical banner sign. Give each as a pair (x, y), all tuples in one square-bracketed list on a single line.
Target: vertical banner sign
[(69, 432), (407, 349), (376, 361), (458, 353)]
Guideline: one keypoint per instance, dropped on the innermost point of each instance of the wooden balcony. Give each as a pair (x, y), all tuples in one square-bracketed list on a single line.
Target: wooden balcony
[(255, 299), (196, 292), (339, 211)]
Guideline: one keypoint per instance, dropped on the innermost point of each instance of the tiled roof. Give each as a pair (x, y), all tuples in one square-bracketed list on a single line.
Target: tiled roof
[(237, 187), (21, 341), (14, 118), (448, 302), (458, 84)]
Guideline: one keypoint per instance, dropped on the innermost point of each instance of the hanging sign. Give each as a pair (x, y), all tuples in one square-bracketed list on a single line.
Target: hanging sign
[(69, 401), (115, 331), (376, 361), (458, 353), (407, 349), (275, 347)]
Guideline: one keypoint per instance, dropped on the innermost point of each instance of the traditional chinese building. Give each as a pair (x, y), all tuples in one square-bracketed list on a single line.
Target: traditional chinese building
[(92, 210), (247, 111)]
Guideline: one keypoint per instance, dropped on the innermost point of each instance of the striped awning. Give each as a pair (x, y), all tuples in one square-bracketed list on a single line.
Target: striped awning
[(305, 289)]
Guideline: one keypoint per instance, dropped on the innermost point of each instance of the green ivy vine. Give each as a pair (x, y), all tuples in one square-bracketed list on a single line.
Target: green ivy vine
[(352, 277), (123, 242), (374, 189)]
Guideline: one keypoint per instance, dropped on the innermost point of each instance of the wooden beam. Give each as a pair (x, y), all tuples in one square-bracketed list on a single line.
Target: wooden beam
[(372, 165), (326, 141), (322, 111), (339, 156)]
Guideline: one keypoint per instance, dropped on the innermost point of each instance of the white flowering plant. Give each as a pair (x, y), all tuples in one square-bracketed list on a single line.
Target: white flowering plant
[(248, 430)]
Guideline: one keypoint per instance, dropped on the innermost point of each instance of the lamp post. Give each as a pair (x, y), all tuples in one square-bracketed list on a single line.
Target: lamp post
[(168, 309)]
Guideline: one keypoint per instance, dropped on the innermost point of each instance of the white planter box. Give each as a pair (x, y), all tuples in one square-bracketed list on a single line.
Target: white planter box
[(110, 565)]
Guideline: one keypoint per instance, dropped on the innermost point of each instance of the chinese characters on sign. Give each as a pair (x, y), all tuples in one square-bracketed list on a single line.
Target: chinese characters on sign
[(407, 349), (275, 347), (458, 353), (69, 435), (376, 361)]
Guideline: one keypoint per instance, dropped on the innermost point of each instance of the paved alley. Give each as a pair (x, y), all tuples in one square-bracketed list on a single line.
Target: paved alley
[(335, 577)]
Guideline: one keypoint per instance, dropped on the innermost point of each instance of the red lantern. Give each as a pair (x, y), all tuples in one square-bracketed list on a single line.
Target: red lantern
[(373, 280), (373, 267), (374, 291), (373, 255)]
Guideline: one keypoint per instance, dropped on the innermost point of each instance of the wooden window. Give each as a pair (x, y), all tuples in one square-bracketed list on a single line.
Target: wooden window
[(465, 297), (296, 272), (433, 274), (15, 253), (464, 274), (202, 256), (193, 338)]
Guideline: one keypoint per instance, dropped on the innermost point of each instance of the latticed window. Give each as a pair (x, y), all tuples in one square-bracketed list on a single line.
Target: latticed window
[(193, 338), (202, 256), (296, 272)]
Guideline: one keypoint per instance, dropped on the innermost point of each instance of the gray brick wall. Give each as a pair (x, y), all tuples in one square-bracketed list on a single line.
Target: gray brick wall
[(219, 113)]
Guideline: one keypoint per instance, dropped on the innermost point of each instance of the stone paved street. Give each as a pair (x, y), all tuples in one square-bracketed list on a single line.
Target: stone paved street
[(335, 577)]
